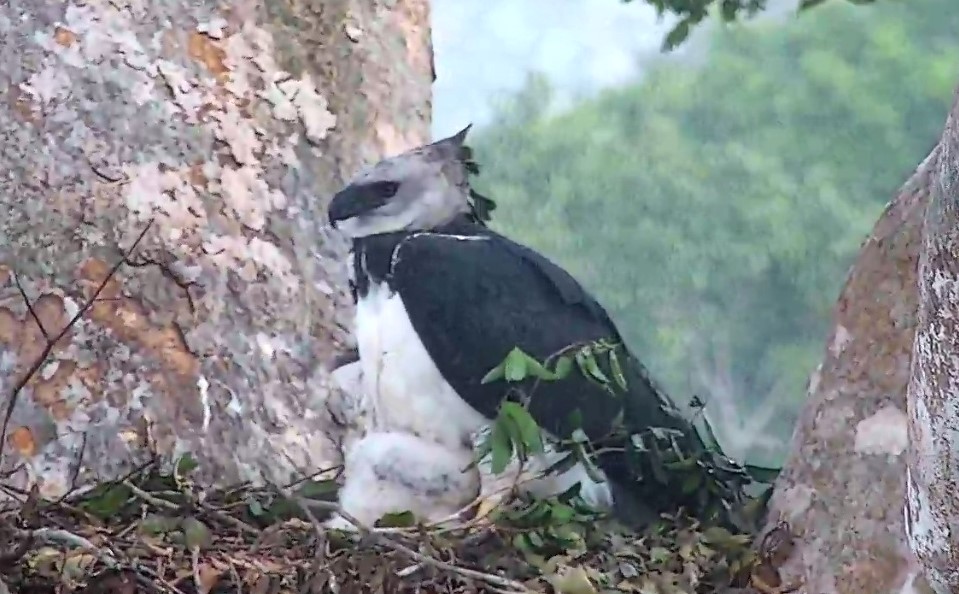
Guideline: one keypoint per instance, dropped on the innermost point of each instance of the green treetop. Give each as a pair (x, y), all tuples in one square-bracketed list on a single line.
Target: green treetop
[(715, 206)]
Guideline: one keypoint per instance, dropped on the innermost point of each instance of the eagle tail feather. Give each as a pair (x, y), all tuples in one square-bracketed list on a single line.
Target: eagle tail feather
[(654, 459)]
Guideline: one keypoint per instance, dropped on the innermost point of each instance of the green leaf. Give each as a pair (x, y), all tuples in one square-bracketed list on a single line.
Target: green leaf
[(496, 373), (575, 418), (687, 463), (617, 370), (157, 525), (572, 494), (729, 10), (529, 515), (580, 358), (529, 430), (659, 554), (196, 534), (484, 447), (710, 436), (564, 535), (403, 519), (563, 367), (516, 365), (589, 367), (583, 457), (592, 471), (762, 474), (514, 434), (537, 369), (501, 447), (311, 489), (691, 483), (185, 464), (561, 514), (723, 539), (521, 543), (562, 465), (108, 501), (677, 35), (256, 508)]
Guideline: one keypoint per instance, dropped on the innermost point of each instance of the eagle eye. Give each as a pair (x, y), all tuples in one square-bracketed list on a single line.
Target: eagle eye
[(384, 189)]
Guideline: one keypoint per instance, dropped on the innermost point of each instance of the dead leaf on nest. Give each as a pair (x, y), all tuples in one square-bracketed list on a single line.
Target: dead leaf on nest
[(46, 561), (262, 585), (75, 566), (112, 582), (30, 510), (209, 576), (571, 580)]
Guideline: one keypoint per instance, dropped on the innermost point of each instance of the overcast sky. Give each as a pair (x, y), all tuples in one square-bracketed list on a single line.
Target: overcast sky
[(484, 48)]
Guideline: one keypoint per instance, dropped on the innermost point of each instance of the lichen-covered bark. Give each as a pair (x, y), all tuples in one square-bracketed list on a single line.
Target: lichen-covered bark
[(842, 488), (932, 481), (228, 123)]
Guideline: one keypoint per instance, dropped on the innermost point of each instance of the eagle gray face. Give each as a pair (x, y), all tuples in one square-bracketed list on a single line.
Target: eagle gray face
[(420, 189)]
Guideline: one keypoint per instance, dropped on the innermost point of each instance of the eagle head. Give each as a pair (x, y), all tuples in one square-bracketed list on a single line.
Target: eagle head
[(422, 188)]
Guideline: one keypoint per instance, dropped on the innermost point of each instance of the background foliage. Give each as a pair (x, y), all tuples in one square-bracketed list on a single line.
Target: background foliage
[(716, 204), (693, 12)]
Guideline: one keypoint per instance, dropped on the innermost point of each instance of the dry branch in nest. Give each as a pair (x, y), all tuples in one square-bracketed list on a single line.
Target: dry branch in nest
[(159, 533)]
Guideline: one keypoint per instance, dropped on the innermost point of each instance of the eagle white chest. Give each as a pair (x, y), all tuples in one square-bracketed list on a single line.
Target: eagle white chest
[(403, 388)]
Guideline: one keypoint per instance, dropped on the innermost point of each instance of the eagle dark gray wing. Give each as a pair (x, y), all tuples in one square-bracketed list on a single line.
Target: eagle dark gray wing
[(473, 295)]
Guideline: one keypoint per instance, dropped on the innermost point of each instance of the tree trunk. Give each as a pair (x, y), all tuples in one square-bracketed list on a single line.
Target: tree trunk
[(842, 488), (227, 124), (932, 480)]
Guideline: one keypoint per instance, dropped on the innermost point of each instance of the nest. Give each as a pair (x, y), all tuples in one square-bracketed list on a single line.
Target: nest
[(160, 533)]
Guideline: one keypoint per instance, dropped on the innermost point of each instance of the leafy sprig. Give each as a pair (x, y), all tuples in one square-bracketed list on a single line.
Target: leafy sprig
[(519, 366), (708, 479), (514, 432)]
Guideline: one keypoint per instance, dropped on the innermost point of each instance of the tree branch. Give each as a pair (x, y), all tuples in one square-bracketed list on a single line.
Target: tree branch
[(51, 342), (510, 586)]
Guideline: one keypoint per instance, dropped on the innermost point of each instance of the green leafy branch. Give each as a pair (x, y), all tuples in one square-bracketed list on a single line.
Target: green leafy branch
[(580, 451), (514, 432), (705, 479), (551, 526), (175, 491), (693, 12), (519, 366), (759, 474)]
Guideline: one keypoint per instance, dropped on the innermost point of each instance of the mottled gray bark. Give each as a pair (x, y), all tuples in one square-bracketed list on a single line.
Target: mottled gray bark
[(932, 483), (228, 123), (842, 488)]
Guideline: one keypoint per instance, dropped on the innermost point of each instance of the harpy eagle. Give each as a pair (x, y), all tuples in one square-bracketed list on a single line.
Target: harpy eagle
[(441, 299)]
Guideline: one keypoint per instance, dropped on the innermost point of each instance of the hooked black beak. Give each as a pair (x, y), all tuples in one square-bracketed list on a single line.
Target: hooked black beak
[(346, 204), (357, 200)]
